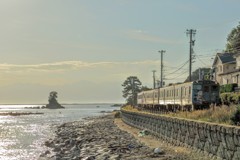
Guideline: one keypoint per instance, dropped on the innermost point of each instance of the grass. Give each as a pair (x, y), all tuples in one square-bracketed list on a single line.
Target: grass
[(222, 114)]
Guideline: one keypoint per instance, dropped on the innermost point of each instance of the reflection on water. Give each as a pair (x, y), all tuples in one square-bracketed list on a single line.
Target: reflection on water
[(22, 137)]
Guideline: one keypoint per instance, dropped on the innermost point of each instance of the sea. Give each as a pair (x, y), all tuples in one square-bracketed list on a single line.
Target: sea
[(22, 137)]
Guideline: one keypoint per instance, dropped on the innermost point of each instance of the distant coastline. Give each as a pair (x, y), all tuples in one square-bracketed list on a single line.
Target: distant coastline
[(95, 103), (116, 105)]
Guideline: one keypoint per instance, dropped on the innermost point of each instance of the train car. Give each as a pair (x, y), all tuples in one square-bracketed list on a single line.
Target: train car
[(185, 96)]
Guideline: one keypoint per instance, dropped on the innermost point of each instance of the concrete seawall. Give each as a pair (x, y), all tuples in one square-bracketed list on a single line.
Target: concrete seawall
[(218, 141)]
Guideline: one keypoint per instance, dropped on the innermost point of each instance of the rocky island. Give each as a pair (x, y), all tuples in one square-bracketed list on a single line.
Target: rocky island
[(53, 103)]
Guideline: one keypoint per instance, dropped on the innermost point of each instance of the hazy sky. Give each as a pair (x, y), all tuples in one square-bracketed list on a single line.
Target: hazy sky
[(85, 49)]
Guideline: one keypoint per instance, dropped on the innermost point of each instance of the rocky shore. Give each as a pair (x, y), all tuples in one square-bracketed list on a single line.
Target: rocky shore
[(18, 113), (99, 138)]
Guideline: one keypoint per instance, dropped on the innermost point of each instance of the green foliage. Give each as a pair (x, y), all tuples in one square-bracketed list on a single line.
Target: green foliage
[(224, 97), (222, 89), (228, 98), (236, 116), (145, 88), (235, 97), (233, 40), (131, 87), (222, 114), (117, 114), (228, 87), (52, 97)]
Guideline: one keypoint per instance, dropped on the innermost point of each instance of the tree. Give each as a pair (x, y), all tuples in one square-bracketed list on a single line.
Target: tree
[(233, 40), (52, 99), (132, 86), (145, 88), (195, 74)]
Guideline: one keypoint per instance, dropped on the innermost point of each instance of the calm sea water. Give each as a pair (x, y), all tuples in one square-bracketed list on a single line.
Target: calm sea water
[(22, 137)]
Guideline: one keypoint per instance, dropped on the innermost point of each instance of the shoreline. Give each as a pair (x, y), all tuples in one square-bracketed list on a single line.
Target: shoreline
[(104, 137), (19, 113)]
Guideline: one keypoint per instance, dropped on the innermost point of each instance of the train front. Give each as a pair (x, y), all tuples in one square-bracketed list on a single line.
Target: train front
[(205, 93)]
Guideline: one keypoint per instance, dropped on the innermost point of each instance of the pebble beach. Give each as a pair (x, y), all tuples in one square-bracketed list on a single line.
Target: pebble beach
[(101, 139)]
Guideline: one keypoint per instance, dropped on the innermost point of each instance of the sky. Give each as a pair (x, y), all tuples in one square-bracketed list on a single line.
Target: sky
[(86, 49)]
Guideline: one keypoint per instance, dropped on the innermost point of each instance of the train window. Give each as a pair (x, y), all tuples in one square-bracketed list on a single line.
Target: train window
[(206, 89), (189, 90), (214, 88), (197, 87)]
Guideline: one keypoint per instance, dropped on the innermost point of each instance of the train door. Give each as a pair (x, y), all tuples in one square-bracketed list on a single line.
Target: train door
[(214, 93), (181, 95), (153, 97), (144, 99), (206, 93), (189, 94), (174, 94), (164, 96)]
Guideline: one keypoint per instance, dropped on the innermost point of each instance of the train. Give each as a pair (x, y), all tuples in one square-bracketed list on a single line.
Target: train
[(187, 96)]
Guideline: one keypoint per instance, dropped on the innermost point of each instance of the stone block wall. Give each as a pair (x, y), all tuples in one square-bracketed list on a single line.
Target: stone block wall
[(218, 141)]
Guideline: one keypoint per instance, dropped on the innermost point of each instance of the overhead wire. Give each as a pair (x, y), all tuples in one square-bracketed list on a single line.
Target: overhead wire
[(179, 68), (177, 76), (201, 61)]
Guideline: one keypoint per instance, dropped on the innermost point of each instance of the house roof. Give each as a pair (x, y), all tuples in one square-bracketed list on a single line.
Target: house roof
[(225, 58)]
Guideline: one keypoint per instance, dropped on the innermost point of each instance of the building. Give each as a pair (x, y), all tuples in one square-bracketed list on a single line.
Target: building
[(226, 68)]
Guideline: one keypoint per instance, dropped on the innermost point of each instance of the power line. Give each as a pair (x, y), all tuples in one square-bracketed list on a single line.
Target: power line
[(201, 60), (179, 68), (182, 74)]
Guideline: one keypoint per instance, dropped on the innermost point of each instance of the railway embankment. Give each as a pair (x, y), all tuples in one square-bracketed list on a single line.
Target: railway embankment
[(216, 140)]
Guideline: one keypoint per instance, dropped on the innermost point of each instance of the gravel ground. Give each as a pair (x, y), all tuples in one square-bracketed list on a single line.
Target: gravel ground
[(101, 139)]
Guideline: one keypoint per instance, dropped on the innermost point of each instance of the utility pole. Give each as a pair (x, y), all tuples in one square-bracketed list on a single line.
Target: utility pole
[(191, 32), (161, 76), (154, 84)]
